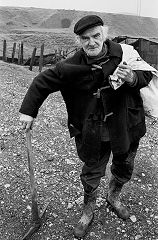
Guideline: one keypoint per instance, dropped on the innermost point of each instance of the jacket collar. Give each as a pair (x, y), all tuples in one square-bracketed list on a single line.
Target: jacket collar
[(114, 49)]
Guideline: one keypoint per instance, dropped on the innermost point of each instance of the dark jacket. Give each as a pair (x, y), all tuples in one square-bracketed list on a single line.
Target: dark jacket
[(78, 83)]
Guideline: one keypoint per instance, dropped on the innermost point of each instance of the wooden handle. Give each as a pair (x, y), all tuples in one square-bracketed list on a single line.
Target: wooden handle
[(35, 214)]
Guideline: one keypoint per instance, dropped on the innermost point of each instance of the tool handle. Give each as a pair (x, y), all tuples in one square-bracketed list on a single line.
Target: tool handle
[(34, 209)]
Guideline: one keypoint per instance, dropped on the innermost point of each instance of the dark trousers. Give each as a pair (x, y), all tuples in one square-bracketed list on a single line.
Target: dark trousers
[(121, 168)]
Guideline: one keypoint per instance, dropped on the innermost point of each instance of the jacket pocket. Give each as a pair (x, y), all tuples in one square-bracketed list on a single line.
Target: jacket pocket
[(89, 142), (135, 116)]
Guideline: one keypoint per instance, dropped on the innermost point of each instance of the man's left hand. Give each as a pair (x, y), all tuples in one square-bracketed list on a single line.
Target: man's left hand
[(125, 73)]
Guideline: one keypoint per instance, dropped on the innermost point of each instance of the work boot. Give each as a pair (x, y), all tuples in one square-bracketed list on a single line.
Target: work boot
[(113, 199), (87, 215)]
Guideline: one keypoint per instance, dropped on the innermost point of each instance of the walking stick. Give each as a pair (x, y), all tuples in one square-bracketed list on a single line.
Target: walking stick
[(36, 217)]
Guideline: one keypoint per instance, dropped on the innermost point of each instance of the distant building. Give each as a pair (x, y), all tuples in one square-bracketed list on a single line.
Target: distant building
[(147, 47)]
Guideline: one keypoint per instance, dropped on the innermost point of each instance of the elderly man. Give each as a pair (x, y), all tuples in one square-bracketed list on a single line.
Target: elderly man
[(102, 118)]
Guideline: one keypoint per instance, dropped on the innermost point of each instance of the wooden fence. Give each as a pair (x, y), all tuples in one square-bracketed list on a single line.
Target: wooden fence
[(34, 60), (148, 50)]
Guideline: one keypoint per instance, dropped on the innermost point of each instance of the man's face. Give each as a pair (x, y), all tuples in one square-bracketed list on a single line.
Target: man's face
[(92, 41)]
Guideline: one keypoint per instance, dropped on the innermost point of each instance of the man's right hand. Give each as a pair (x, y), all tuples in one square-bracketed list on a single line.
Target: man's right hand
[(27, 122)]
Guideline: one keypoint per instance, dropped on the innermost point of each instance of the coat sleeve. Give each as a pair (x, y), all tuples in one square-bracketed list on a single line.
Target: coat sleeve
[(49, 81), (142, 79)]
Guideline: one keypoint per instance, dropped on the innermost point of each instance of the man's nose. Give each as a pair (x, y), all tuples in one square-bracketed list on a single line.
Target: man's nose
[(91, 41)]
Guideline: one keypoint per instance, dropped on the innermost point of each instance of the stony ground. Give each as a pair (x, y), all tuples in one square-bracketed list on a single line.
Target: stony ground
[(57, 169)]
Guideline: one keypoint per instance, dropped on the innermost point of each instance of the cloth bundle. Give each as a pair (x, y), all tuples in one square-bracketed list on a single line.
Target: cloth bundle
[(149, 93)]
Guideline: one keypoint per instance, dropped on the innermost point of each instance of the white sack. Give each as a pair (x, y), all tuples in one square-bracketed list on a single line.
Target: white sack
[(149, 93)]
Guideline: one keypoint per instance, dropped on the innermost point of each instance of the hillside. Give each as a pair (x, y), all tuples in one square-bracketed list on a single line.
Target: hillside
[(119, 24), (12, 17)]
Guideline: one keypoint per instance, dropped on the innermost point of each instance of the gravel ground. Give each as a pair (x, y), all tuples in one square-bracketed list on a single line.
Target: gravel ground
[(57, 169)]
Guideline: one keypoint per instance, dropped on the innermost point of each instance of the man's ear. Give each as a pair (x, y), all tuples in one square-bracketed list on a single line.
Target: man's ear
[(78, 40)]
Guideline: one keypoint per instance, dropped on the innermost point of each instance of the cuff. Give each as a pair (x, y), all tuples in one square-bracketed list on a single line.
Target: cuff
[(135, 80)]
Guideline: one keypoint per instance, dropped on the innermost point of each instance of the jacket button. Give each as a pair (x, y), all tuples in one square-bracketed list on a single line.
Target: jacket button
[(107, 115)]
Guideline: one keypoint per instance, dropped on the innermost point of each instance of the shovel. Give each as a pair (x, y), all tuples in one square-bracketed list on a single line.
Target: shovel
[(36, 217)]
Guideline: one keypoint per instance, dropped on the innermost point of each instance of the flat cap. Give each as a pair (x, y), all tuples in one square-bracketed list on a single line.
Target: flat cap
[(87, 22)]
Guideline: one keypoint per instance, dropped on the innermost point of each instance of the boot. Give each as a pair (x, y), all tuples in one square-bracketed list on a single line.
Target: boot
[(113, 199), (87, 215)]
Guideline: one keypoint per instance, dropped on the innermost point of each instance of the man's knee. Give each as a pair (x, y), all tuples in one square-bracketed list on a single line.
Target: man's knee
[(123, 165)]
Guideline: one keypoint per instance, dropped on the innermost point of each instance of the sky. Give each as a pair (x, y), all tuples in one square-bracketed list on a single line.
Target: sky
[(147, 8)]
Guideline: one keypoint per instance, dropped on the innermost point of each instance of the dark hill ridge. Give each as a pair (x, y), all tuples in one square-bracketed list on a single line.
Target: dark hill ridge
[(119, 24)]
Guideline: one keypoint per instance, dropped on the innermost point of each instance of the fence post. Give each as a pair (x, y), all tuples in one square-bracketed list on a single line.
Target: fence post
[(4, 51), (21, 53), (41, 58), (13, 52), (32, 59), (56, 52)]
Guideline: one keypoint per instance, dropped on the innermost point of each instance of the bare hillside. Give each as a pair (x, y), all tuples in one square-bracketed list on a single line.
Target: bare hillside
[(15, 17), (120, 24), (54, 28)]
